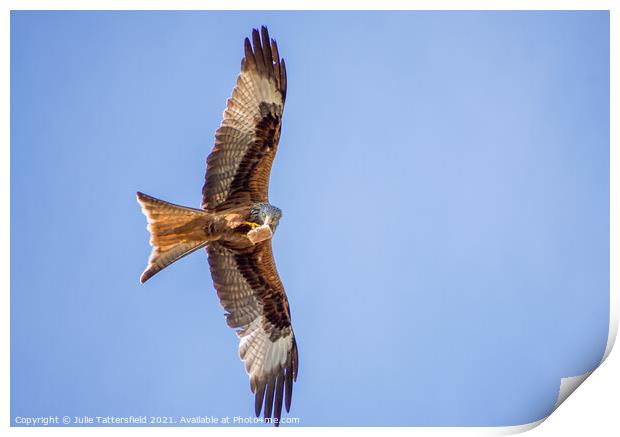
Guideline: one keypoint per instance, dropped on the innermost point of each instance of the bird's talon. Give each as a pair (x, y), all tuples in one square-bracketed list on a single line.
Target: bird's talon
[(252, 225)]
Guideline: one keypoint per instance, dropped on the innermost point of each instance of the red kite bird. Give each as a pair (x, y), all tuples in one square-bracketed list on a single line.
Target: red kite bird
[(236, 224)]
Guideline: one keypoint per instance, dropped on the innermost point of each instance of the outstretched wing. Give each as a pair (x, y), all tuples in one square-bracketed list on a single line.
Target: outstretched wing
[(251, 292), (245, 143)]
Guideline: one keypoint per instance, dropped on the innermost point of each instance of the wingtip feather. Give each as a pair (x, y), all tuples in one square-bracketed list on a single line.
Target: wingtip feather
[(260, 395)]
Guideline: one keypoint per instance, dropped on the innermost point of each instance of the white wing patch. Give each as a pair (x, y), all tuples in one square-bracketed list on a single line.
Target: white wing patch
[(243, 107), (262, 357), (259, 88)]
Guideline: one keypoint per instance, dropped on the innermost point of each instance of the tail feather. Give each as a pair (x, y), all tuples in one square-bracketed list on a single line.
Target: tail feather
[(176, 231)]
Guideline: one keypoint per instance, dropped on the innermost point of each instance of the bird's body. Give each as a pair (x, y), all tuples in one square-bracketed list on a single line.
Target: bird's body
[(177, 231), (236, 224)]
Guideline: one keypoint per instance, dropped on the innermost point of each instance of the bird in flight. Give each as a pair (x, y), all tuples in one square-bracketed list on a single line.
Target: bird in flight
[(236, 223)]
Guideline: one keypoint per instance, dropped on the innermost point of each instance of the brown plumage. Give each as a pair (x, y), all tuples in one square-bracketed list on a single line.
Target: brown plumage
[(234, 208)]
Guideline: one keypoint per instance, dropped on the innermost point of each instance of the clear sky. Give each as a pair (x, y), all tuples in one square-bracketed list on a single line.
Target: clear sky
[(444, 179)]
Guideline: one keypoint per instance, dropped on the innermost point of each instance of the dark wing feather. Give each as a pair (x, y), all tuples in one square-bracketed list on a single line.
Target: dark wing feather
[(239, 165), (251, 292)]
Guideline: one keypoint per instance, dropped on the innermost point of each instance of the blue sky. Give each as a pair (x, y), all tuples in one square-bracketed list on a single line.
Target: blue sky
[(444, 178)]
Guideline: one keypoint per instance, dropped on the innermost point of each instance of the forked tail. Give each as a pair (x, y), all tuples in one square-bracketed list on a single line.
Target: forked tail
[(175, 230)]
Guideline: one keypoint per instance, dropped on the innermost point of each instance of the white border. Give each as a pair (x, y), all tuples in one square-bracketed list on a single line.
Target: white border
[(604, 390)]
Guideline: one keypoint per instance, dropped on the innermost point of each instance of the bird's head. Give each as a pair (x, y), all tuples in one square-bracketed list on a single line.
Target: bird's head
[(266, 214)]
